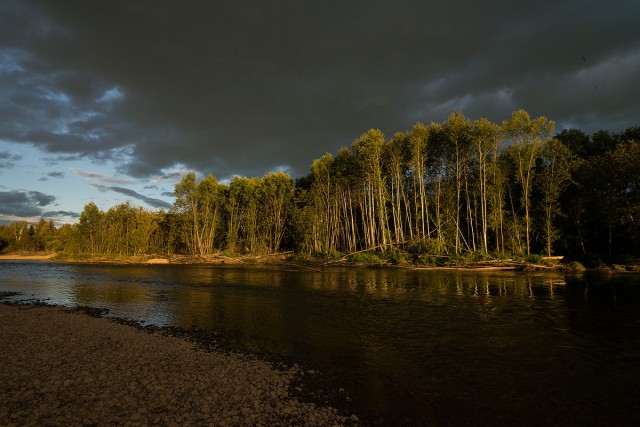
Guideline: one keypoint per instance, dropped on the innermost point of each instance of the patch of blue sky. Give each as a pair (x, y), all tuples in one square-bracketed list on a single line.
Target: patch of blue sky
[(110, 95)]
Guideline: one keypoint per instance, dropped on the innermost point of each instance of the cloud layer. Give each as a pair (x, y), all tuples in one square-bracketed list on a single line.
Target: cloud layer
[(156, 203), (20, 203), (248, 87)]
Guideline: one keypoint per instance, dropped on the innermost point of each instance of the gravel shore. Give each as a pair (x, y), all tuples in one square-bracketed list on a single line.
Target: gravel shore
[(59, 366)]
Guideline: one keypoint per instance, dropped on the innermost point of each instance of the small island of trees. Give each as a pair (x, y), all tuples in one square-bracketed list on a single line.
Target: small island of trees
[(461, 188)]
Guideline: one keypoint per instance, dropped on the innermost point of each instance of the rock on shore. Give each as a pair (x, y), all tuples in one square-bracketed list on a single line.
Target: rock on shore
[(62, 367)]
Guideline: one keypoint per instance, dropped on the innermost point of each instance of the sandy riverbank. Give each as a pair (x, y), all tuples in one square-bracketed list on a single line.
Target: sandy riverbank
[(147, 259), (18, 257), (59, 366)]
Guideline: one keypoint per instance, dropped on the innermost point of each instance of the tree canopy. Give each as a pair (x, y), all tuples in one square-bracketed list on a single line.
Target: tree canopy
[(461, 186)]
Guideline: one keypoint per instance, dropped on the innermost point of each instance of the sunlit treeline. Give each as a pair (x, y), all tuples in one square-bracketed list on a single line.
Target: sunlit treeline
[(22, 236), (247, 215), (122, 230), (460, 186), (475, 186)]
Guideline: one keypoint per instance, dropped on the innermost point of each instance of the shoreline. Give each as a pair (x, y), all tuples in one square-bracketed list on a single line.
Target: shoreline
[(273, 259), (552, 264), (64, 366)]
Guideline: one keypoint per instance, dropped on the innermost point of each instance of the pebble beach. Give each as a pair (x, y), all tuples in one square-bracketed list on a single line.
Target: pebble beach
[(61, 367)]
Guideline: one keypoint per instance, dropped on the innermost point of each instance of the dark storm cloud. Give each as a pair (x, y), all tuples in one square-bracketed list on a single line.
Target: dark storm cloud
[(23, 203), (156, 203), (247, 87)]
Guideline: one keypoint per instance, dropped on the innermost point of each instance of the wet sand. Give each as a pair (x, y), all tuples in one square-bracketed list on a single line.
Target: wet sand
[(59, 366)]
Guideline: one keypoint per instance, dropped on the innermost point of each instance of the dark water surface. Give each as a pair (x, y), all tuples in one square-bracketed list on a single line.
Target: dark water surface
[(426, 347)]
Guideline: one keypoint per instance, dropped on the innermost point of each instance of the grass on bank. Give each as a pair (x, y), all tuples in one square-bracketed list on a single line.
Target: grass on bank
[(426, 254), (429, 253)]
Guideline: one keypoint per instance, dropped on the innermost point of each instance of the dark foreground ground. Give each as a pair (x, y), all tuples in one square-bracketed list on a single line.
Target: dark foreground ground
[(61, 367)]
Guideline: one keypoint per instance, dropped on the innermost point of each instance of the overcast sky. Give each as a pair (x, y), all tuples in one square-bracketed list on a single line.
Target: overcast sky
[(115, 100)]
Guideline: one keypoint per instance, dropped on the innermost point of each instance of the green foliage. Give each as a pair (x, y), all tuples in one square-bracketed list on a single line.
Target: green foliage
[(464, 259), (426, 261), (528, 138), (534, 259), (249, 215), (365, 258), (426, 246), (556, 166), (231, 254), (68, 240), (298, 257), (89, 228), (576, 266), (198, 207), (394, 255), (20, 236), (500, 255), (275, 194)]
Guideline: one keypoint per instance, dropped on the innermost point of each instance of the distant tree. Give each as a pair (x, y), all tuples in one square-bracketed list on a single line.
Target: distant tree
[(577, 141), (91, 228), (186, 206), (45, 235), (346, 170), (417, 153), (304, 222), (242, 214), (554, 176), (323, 198), (485, 138), (120, 222), (15, 236), (367, 152), (526, 138), (233, 206), (457, 130), (211, 201), (395, 171), (69, 240), (630, 134), (602, 142), (625, 186), (199, 205), (275, 194)]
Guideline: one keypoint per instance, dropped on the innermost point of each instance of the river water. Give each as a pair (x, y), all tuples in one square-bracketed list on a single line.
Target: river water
[(419, 347)]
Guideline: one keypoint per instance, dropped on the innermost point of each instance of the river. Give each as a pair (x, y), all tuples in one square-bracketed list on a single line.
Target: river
[(416, 347)]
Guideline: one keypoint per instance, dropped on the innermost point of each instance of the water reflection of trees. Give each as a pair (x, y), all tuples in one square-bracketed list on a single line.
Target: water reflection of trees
[(426, 284), (297, 312), (88, 294)]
